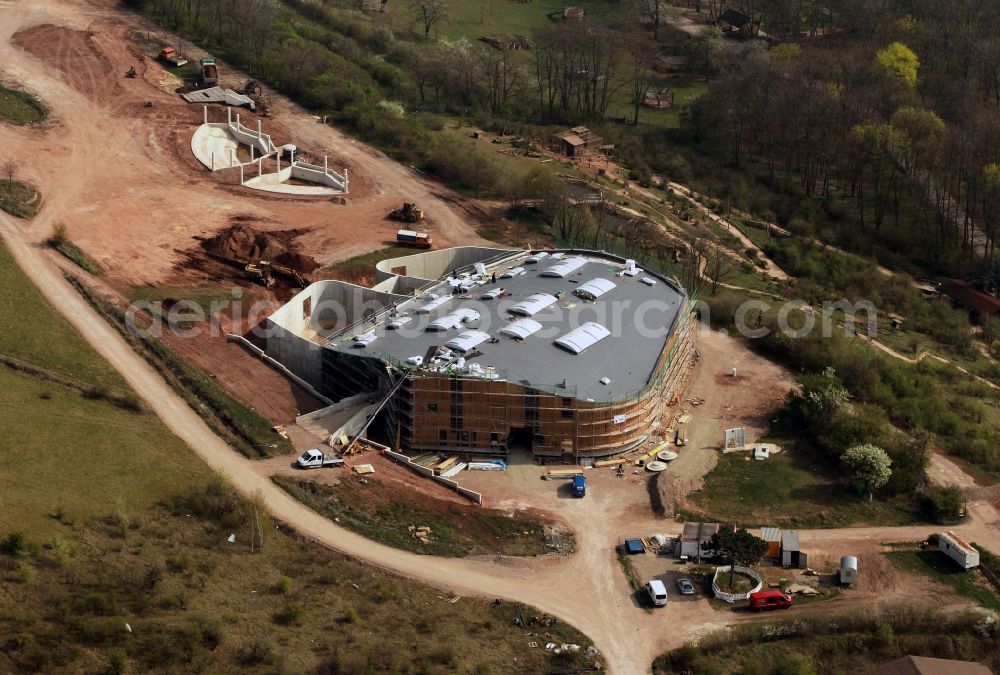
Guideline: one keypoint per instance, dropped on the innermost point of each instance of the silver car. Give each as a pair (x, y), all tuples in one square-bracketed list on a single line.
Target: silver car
[(685, 586)]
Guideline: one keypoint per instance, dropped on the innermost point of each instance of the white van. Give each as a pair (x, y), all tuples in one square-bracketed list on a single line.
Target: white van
[(657, 592)]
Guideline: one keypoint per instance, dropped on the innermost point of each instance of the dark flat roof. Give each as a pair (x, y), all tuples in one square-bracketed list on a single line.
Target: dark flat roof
[(970, 298), (640, 318), (924, 665)]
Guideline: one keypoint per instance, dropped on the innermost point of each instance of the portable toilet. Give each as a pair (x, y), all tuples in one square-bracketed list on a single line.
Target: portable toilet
[(772, 535), (849, 569)]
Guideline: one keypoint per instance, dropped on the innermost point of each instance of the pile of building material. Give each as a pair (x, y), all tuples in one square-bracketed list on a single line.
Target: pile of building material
[(219, 95), (422, 533), (363, 469), (657, 543), (562, 474), (491, 465), (801, 589)]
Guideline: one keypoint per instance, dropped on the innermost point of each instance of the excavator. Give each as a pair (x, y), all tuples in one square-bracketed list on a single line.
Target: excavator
[(264, 272), (255, 92), (408, 213)]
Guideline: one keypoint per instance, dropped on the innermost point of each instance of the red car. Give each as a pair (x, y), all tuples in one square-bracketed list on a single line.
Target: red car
[(769, 600)]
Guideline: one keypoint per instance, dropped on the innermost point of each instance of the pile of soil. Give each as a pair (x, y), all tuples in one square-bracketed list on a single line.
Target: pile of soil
[(240, 242)]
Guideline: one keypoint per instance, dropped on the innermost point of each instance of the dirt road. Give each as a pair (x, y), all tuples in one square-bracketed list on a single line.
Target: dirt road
[(586, 589)]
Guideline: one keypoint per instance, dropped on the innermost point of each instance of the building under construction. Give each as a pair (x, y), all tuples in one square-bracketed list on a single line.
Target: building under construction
[(570, 355)]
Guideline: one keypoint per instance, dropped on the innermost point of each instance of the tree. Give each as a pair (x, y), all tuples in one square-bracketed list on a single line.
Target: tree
[(708, 53), (868, 466), (738, 548), (642, 53), (10, 168), (900, 60), (822, 396), (717, 267), (432, 13), (653, 9)]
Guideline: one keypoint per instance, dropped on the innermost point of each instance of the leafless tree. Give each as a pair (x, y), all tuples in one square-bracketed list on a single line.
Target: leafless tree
[(432, 13), (10, 168), (717, 267), (654, 10)]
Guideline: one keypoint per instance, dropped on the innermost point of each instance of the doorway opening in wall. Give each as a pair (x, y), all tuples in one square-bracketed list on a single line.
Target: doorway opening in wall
[(519, 445)]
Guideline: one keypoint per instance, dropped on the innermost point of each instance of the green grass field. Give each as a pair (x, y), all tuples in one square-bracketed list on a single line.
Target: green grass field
[(784, 491), (969, 584), (66, 451), (474, 18), (80, 458), (19, 107), (33, 332)]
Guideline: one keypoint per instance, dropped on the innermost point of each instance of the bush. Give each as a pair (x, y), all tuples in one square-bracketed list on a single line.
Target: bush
[(58, 236), (25, 571), (290, 614), (259, 653), (60, 550), (284, 585), (117, 662), (350, 615), (944, 505)]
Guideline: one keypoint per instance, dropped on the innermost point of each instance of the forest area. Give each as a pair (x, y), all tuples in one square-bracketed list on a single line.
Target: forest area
[(870, 126)]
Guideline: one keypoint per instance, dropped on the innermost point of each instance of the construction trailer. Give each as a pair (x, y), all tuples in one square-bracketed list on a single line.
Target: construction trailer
[(964, 554), (772, 535), (791, 554)]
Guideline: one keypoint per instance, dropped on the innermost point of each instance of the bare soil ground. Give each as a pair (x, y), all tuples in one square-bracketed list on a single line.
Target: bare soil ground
[(122, 178)]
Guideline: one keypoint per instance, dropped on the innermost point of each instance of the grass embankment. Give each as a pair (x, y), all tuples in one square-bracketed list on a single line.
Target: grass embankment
[(161, 589), (971, 584), (785, 491), (60, 242), (19, 199), (382, 513), (838, 643), (77, 441), (244, 429), (36, 334), (20, 107)]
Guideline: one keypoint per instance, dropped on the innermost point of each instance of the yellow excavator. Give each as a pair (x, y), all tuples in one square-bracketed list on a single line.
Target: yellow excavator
[(408, 213), (264, 272)]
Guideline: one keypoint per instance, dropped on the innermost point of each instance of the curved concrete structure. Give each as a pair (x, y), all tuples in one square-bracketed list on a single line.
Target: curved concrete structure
[(601, 395), (214, 147)]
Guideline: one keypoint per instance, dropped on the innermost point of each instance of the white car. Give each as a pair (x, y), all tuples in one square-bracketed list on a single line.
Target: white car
[(657, 592)]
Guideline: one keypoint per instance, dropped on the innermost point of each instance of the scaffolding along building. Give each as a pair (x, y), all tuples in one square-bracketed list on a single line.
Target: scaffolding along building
[(571, 355)]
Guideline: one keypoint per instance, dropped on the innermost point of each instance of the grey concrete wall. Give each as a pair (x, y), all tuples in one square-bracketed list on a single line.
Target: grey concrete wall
[(299, 355), (430, 265), (339, 303)]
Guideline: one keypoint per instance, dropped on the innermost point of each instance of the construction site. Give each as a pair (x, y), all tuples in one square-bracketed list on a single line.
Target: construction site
[(460, 375), (489, 352)]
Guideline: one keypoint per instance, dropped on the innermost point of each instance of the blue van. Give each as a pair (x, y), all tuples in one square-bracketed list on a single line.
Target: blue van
[(579, 486)]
